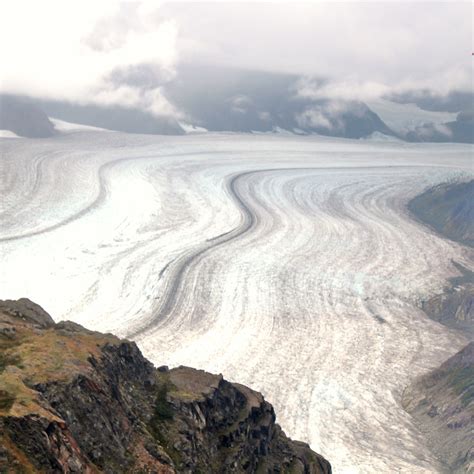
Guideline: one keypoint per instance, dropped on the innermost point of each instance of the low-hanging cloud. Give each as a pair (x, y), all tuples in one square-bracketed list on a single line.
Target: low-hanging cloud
[(113, 52), (329, 114), (311, 88), (89, 52), (365, 49)]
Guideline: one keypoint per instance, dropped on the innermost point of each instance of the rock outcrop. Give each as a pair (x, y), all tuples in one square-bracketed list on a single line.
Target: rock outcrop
[(24, 118), (455, 306), (442, 401), (78, 401), (449, 209), (442, 404)]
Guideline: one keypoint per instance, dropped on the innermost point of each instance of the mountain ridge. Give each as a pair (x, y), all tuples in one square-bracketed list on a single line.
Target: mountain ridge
[(78, 401)]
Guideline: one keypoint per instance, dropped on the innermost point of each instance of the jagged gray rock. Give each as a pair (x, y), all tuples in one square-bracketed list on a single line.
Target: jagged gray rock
[(442, 403), (79, 401)]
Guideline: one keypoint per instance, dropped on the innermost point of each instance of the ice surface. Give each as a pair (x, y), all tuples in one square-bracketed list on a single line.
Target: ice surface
[(8, 134), (287, 263), (190, 128), (63, 126), (402, 118), (381, 137)]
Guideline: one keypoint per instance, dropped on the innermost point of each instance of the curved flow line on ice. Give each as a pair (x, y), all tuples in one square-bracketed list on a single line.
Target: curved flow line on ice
[(99, 199), (95, 203), (170, 296), (249, 219)]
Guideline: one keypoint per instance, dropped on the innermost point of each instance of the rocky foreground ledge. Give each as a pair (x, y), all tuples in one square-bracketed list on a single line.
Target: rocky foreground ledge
[(77, 401)]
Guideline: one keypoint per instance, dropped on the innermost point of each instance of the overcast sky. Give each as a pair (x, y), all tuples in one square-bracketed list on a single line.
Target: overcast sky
[(69, 49)]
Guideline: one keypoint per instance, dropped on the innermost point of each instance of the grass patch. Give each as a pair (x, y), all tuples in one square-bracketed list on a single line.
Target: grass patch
[(51, 356), (9, 359), (6, 359), (7, 400)]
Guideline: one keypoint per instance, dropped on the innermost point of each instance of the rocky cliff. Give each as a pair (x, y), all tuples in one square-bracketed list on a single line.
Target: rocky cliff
[(442, 403), (454, 307), (449, 209), (77, 401)]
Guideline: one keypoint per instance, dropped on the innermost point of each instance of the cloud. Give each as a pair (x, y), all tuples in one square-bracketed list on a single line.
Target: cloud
[(365, 48), (145, 75), (240, 103), (328, 115), (431, 130), (314, 117), (348, 89), (89, 52), (112, 52), (351, 88), (139, 86)]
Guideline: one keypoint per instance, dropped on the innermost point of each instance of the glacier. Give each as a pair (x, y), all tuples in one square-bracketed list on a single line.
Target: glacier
[(286, 263)]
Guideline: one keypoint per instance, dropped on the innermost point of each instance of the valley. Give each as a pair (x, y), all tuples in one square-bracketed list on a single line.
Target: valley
[(289, 264)]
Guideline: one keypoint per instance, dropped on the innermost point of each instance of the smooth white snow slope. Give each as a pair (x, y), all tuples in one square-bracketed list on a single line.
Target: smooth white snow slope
[(190, 128), (402, 118), (65, 127), (8, 134), (287, 263)]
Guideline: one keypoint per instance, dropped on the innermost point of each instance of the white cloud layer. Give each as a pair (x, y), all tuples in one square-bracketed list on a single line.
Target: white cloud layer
[(69, 49), (66, 50), (367, 48)]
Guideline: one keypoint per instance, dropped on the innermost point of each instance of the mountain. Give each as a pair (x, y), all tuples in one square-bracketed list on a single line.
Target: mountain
[(442, 404), (442, 401), (454, 307), (225, 99), (121, 119), (219, 99), (454, 101), (459, 129), (78, 401), (462, 129), (24, 118), (404, 118), (239, 100), (448, 209)]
